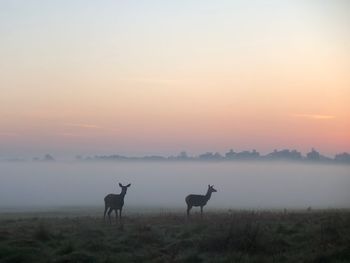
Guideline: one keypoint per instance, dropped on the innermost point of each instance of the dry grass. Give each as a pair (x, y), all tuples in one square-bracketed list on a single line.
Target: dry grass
[(238, 236)]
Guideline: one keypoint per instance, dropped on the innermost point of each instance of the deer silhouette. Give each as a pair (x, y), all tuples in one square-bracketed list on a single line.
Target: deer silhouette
[(115, 202), (199, 200)]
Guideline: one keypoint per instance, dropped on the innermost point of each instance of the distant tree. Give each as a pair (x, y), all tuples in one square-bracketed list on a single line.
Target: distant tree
[(230, 154), (182, 156), (342, 157), (247, 155), (154, 158), (210, 156), (316, 156), (218, 156), (48, 158), (255, 153), (285, 155), (313, 155)]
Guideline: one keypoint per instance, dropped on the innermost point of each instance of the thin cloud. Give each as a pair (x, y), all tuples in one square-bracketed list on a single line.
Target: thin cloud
[(83, 125), (67, 134), (315, 116), (149, 80), (91, 127)]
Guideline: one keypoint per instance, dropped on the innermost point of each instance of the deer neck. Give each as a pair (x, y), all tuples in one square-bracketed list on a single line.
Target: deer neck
[(208, 195), (122, 194)]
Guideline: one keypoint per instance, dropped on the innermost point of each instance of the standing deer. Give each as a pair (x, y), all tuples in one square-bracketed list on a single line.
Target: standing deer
[(115, 202), (199, 200)]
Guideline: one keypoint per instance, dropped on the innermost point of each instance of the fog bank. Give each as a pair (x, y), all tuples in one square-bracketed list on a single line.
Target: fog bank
[(240, 185)]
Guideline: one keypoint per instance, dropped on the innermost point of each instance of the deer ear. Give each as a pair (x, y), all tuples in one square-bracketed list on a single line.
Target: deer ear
[(120, 185), (208, 185), (128, 185)]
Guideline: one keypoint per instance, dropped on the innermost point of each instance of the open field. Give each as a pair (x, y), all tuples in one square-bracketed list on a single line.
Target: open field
[(231, 236)]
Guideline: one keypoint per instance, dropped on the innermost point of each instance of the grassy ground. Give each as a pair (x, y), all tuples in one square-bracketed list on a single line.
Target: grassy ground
[(236, 236)]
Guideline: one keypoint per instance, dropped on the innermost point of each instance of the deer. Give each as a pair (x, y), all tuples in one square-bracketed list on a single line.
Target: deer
[(115, 202), (199, 200)]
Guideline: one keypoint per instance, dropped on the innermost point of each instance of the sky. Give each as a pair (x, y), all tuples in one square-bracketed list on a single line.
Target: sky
[(158, 77)]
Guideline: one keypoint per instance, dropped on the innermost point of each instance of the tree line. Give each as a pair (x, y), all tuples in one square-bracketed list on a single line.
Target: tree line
[(231, 155)]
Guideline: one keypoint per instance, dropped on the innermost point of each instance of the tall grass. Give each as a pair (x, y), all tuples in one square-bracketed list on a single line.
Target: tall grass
[(237, 236)]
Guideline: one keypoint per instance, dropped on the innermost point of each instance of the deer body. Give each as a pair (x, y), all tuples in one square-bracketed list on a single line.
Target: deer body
[(199, 200), (115, 202)]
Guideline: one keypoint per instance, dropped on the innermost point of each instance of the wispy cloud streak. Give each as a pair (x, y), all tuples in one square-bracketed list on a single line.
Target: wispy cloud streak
[(150, 80), (83, 125), (315, 116), (91, 127), (67, 134)]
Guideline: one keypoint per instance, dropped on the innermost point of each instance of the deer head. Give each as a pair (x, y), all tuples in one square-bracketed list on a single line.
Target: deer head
[(124, 187), (211, 188)]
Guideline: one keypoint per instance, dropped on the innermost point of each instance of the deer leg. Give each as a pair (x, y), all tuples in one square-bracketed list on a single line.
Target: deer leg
[(201, 211), (104, 214), (116, 216), (188, 210), (109, 214), (120, 215)]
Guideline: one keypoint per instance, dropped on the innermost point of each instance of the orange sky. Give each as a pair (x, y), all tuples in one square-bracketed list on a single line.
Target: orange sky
[(147, 78)]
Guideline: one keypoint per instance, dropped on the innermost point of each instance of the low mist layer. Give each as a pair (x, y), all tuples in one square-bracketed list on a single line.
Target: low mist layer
[(240, 185)]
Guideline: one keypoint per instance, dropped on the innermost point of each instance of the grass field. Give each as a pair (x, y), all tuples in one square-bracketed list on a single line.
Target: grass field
[(233, 236)]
